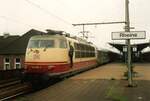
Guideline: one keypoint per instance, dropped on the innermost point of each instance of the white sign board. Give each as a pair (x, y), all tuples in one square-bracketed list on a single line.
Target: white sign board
[(128, 35)]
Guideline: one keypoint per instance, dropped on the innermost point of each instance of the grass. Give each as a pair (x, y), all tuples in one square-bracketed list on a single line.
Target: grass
[(115, 95)]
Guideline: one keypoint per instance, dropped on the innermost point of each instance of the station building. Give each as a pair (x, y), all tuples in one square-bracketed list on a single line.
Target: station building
[(13, 48)]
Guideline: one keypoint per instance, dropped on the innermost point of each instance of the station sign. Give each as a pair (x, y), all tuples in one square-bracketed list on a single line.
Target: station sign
[(128, 35)]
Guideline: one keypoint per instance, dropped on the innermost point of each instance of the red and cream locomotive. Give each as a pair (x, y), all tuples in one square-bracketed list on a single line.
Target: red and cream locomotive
[(58, 55)]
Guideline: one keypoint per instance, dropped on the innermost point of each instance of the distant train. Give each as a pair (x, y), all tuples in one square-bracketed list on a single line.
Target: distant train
[(58, 56)]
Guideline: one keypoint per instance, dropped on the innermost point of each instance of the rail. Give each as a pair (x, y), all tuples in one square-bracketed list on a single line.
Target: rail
[(12, 88)]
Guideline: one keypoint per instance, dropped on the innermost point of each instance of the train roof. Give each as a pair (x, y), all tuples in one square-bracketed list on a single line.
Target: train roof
[(73, 39), (46, 36)]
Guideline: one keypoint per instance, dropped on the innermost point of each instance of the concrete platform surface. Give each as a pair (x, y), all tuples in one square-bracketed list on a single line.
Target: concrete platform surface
[(96, 85), (109, 71)]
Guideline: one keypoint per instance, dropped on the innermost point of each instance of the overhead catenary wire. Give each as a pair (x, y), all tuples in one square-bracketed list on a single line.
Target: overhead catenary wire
[(47, 11)]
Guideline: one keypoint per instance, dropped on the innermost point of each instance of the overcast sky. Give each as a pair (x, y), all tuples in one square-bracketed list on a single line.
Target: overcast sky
[(19, 16)]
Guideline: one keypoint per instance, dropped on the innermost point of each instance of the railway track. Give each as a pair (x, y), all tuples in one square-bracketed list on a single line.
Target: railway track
[(12, 88)]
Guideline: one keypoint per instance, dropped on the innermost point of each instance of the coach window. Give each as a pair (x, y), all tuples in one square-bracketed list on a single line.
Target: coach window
[(93, 52), (63, 44), (89, 51), (6, 63), (84, 51), (17, 63)]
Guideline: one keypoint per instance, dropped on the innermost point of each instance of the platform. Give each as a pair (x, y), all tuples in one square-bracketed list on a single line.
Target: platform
[(97, 85)]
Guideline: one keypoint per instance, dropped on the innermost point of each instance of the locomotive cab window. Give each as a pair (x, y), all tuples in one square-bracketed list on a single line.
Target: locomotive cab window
[(46, 43), (41, 44), (33, 44)]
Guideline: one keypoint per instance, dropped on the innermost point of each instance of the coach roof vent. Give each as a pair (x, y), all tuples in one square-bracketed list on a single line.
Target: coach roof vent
[(54, 32)]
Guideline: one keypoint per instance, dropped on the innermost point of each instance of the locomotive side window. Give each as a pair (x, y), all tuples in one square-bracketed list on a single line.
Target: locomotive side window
[(84, 51), (77, 50), (41, 44), (63, 44)]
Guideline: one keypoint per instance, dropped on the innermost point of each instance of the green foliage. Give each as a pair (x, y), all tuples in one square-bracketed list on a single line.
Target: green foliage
[(115, 95)]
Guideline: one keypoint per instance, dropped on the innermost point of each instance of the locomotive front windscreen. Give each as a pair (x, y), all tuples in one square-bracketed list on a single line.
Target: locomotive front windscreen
[(41, 44)]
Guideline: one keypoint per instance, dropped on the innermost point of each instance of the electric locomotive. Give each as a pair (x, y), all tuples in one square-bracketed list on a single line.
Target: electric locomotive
[(58, 55)]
